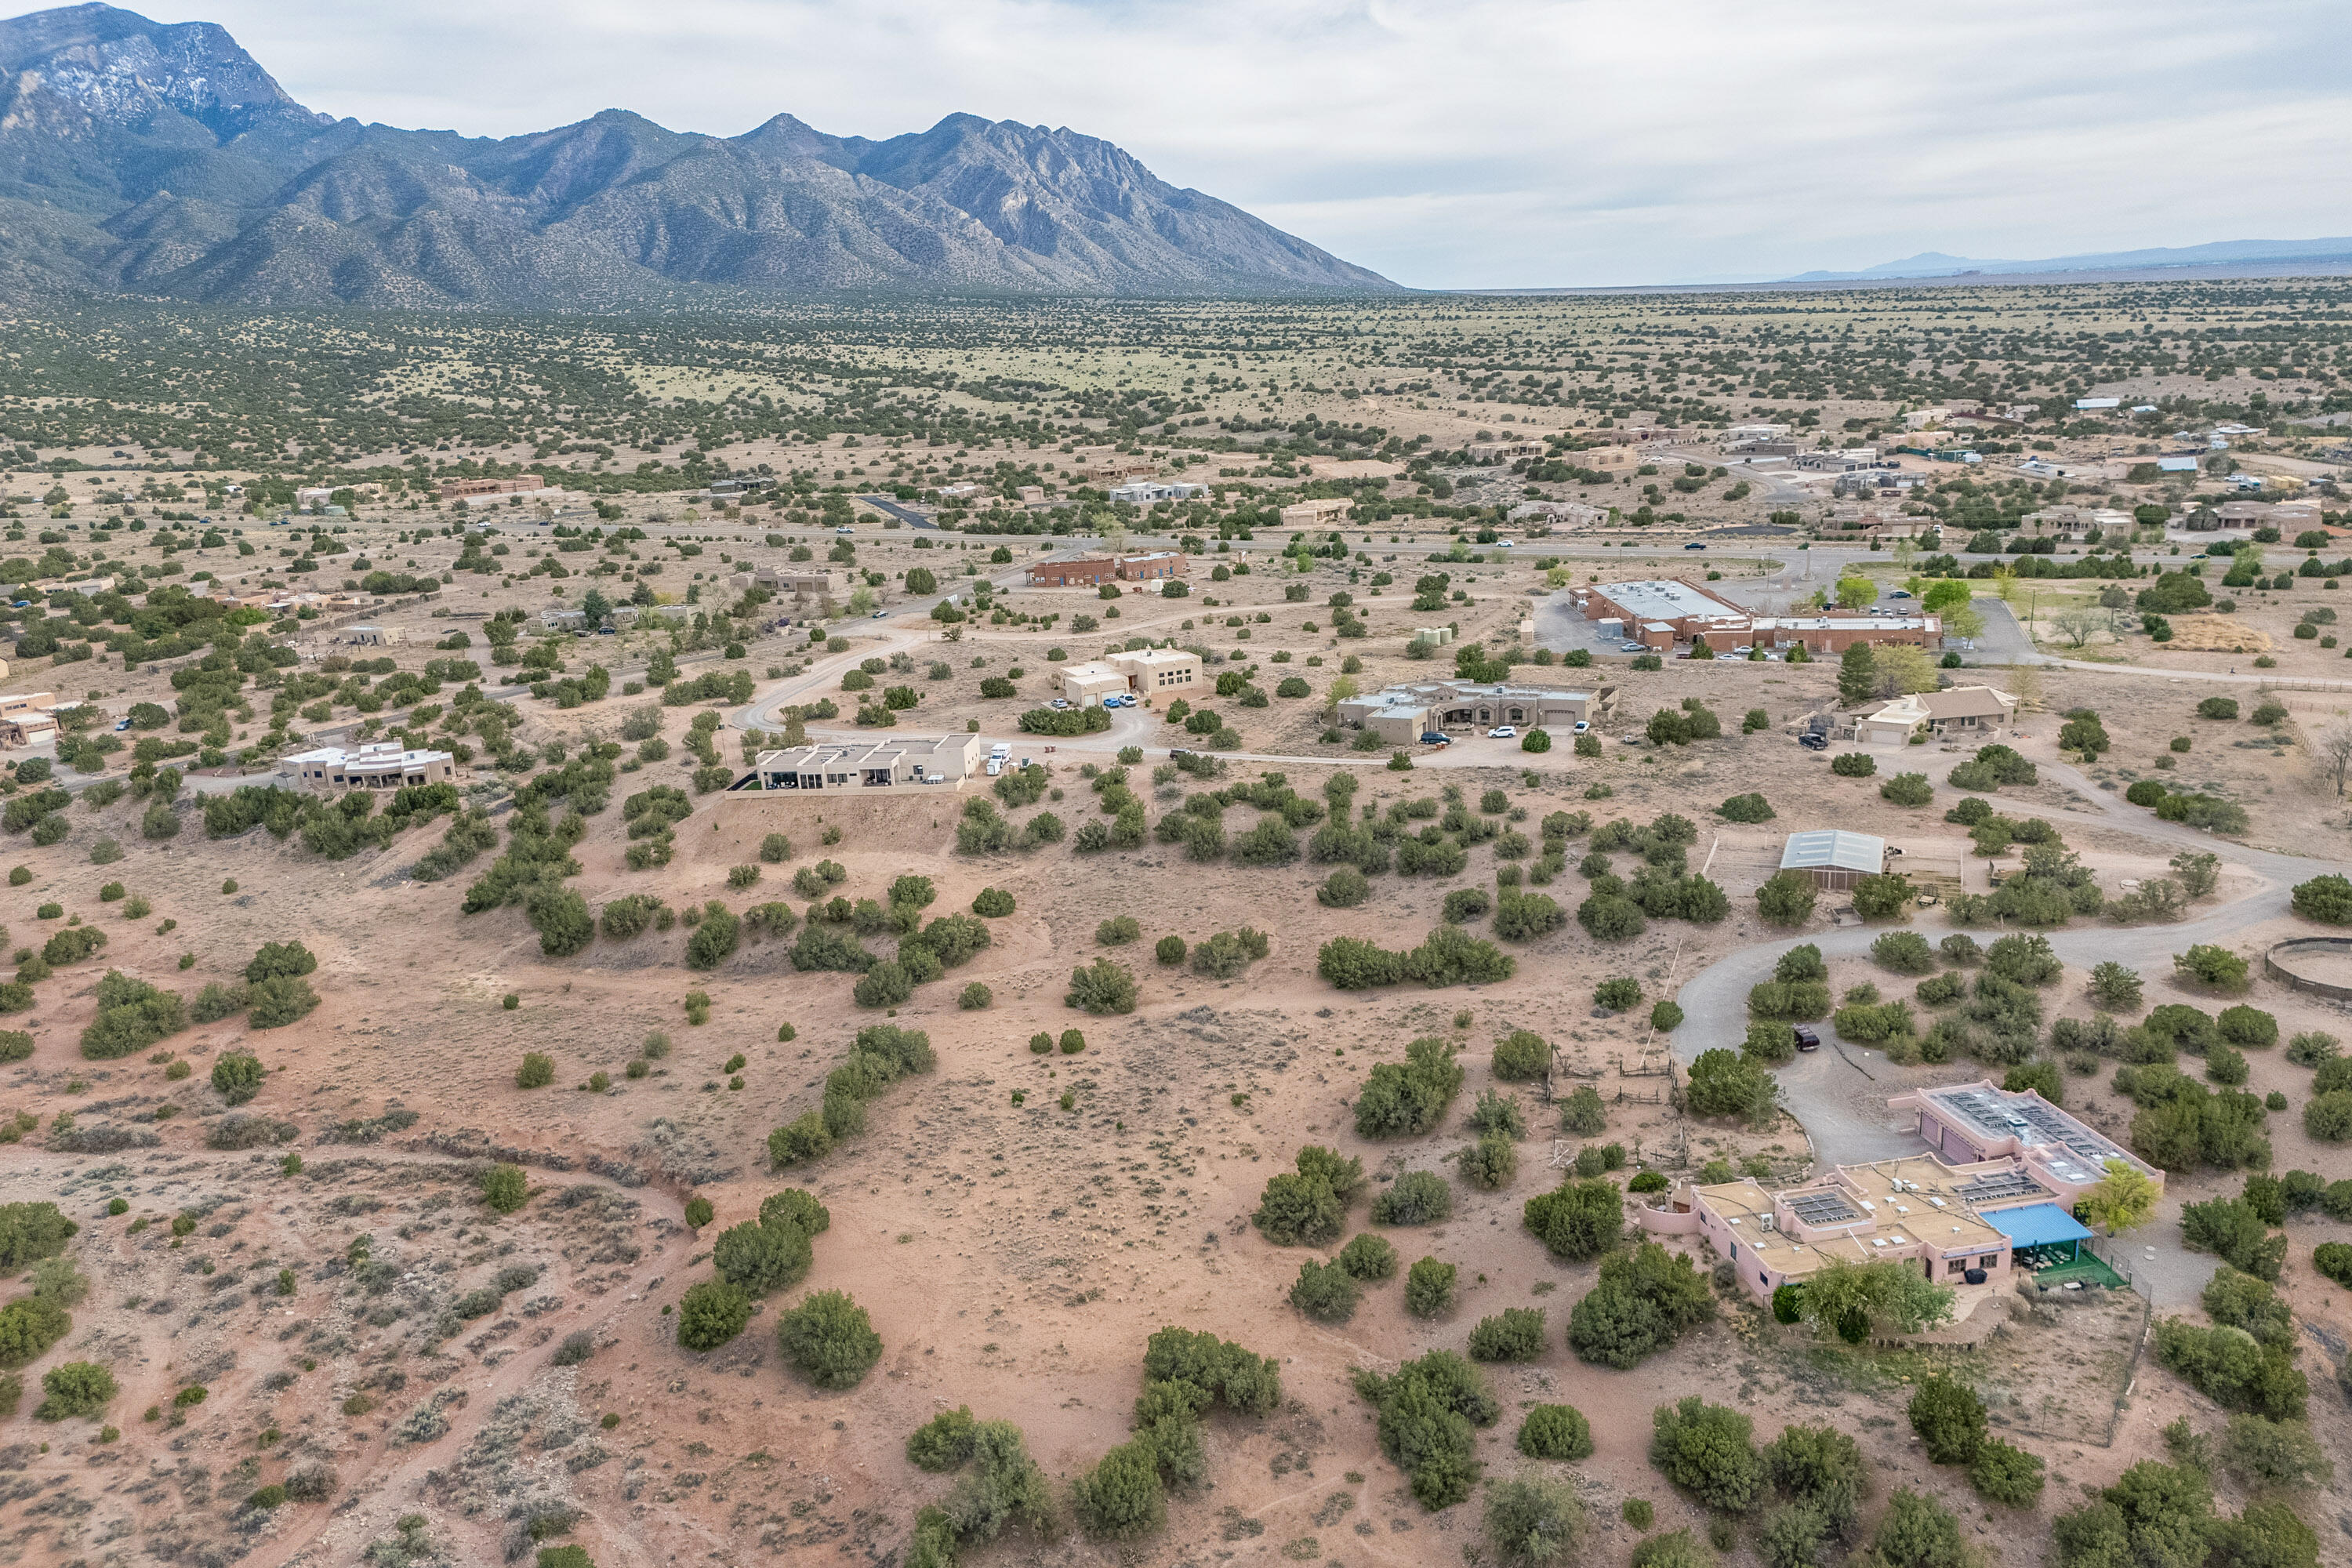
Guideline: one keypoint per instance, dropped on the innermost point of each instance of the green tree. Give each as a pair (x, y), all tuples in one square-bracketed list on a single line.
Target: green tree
[(1857, 675), (1709, 1452), (2123, 1200), (1949, 1418), (1532, 1520), (74, 1389), (1120, 1498), (711, 1314), (829, 1338), (504, 1188)]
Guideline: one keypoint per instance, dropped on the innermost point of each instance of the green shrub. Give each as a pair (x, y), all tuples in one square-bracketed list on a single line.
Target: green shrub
[(77, 1388), (1325, 1292), (1428, 1412), (1555, 1432), (504, 1188), (829, 1339), (711, 1313), (1428, 1289), (1949, 1418), (1644, 1300), (1368, 1258), (1709, 1452), (1854, 765), (538, 1071), (236, 1076), (1515, 1333)]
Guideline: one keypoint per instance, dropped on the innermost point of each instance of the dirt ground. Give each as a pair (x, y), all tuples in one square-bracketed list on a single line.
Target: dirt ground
[(1013, 1256)]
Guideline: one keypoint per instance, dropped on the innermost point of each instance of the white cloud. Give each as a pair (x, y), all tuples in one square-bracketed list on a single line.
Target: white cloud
[(1485, 143)]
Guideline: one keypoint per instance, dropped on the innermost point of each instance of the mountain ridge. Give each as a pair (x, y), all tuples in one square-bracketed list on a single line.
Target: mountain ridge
[(161, 160), (1936, 264)]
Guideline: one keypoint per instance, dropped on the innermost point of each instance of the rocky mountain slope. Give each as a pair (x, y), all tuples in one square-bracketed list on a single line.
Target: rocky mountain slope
[(161, 160)]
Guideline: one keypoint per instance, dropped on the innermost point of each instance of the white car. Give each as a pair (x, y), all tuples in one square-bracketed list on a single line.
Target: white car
[(1501, 732), (1582, 725)]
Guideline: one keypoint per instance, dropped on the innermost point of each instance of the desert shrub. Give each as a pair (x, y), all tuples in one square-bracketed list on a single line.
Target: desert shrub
[(29, 1325), (1325, 1292), (1521, 1055), (504, 1188), (1556, 1432), (1368, 1257), (1949, 1418), (829, 1339), (1725, 1083), (1745, 808), (1709, 1452), (236, 1076), (1515, 1333), (1904, 952), (2002, 1472), (2233, 1369), (993, 902), (75, 1389), (1578, 1220), (217, 1001), (280, 1000), (1644, 1300), (1416, 1197), (1101, 988), (1119, 931), (759, 1257), (1908, 789), (1429, 1288), (1532, 1520), (131, 1017), (1408, 1097), (1428, 1414), (1854, 765)]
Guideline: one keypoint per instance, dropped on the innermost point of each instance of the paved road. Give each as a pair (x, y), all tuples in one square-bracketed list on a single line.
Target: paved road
[(905, 514)]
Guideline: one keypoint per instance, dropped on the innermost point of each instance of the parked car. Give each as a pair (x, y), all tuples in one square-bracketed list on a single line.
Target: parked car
[(1629, 647), (1436, 738), (1501, 732), (1060, 703), (1900, 594), (121, 724), (1582, 725), (1813, 742), (1807, 1040)]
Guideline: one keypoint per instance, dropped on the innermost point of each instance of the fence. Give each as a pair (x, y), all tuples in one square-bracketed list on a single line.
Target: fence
[(2108, 1253)]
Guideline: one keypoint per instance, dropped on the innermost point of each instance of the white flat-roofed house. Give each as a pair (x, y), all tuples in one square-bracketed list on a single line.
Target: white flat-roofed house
[(869, 765), (380, 765)]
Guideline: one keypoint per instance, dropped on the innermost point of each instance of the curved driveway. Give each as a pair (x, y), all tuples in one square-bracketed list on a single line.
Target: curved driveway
[(1818, 1088)]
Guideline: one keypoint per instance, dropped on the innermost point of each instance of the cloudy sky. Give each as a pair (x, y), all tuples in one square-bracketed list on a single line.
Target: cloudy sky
[(1478, 143)]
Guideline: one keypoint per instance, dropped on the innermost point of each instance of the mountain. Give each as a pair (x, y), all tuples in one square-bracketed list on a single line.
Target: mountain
[(158, 160), (2220, 253)]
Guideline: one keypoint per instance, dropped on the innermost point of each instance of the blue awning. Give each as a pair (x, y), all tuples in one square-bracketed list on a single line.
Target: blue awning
[(2037, 1225)]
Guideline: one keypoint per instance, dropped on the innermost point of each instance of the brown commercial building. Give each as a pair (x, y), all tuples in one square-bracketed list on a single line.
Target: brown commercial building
[(522, 484), (1662, 612), (1095, 570)]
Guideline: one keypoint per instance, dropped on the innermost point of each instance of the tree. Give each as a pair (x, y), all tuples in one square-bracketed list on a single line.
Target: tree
[(1949, 1418), (504, 1188), (2328, 900), (1299, 1211), (762, 1258), (1325, 1292), (2005, 1473), (1787, 899), (1429, 1288), (1723, 1083), (236, 1076), (2077, 626), (1917, 1532), (1644, 1300), (1555, 1432), (1121, 1498), (1708, 1451), (829, 1338), (1532, 1520), (1852, 1298), (1515, 1333), (2335, 748), (2116, 988), (1101, 988), (538, 1071), (1577, 1221), (75, 1388), (2155, 1516), (711, 1314), (1857, 675)]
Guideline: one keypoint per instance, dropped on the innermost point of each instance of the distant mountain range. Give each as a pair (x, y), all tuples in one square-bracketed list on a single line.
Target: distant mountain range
[(161, 160), (2221, 253)]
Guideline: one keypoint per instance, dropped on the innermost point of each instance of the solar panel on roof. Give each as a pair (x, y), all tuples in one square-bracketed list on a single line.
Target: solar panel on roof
[(1821, 1208)]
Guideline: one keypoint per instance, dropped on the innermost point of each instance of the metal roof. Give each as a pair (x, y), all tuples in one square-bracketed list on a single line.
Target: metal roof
[(2038, 1225), (1833, 847)]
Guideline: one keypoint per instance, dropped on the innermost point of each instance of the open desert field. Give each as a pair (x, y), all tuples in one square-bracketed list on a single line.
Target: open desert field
[(352, 1215)]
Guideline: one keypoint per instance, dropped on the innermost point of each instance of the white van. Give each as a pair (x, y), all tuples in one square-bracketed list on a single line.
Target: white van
[(995, 766)]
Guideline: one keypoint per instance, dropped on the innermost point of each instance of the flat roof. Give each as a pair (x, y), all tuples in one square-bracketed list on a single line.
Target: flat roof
[(2070, 1151), (1658, 598), (855, 753), (1833, 847), (2039, 1225)]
